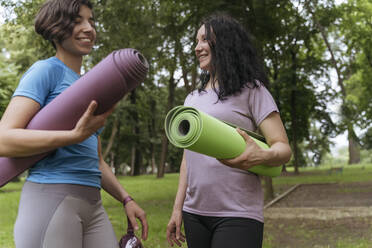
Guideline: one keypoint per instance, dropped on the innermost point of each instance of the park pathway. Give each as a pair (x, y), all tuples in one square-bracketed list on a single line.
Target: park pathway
[(322, 202), (317, 213)]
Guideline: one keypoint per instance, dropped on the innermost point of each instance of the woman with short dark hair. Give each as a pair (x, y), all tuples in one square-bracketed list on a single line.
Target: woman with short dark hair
[(56, 19), (220, 201), (60, 204)]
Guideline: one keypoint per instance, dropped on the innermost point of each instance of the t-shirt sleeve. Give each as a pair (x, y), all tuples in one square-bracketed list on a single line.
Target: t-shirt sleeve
[(261, 104), (38, 82)]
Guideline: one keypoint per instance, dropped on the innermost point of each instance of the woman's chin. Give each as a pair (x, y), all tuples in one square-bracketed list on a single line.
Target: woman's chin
[(204, 67)]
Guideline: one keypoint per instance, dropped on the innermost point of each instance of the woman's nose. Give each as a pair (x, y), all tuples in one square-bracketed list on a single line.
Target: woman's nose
[(87, 26), (197, 47)]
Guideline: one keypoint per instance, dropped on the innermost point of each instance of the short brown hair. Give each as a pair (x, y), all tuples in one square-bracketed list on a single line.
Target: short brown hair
[(55, 19)]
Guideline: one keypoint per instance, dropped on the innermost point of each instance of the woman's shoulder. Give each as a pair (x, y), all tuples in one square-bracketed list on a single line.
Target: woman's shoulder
[(50, 64), (42, 74), (46, 68), (191, 94), (258, 88), (195, 95)]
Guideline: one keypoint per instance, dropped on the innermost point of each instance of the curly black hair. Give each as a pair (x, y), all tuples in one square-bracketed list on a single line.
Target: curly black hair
[(235, 63), (55, 20)]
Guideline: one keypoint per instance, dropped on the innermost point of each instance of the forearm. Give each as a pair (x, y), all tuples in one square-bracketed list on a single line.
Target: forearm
[(278, 154), (182, 186), (112, 186), (110, 183), (18, 142)]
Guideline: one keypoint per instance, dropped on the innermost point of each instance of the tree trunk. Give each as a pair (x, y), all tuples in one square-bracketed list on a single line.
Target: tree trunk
[(133, 160), (114, 130), (136, 161), (153, 135), (194, 76), (164, 142), (354, 150), (116, 155), (153, 160), (163, 156), (269, 190), (294, 132), (136, 154), (294, 127), (181, 57)]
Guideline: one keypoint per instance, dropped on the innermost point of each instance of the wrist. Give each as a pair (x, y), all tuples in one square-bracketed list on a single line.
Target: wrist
[(268, 156), (126, 200), (74, 136), (177, 207)]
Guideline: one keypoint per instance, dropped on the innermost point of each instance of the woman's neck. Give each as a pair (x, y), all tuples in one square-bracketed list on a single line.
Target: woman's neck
[(72, 61), (210, 83)]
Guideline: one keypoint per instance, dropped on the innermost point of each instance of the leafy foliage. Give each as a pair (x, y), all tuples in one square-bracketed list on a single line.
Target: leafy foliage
[(288, 40)]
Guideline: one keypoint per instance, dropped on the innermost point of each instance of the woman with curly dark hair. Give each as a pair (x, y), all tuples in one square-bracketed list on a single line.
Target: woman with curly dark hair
[(220, 201), (60, 204)]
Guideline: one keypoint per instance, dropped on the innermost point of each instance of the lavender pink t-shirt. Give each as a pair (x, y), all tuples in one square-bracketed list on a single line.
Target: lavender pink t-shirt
[(215, 189)]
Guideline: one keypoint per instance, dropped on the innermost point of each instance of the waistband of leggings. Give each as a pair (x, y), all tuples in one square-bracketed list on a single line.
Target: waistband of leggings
[(75, 190)]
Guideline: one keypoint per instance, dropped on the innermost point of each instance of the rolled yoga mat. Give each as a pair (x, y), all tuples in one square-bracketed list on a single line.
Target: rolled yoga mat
[(107, 82), (191, 129)]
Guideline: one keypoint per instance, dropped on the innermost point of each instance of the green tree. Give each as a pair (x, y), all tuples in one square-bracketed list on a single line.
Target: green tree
[(23, 44), (292, 46), (356, 28), (367, 139), (8, 81), (343, 56)]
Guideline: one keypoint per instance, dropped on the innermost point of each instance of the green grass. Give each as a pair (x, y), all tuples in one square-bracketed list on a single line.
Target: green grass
[(9, 198), (351, 173), (156, 197), (345, 243)]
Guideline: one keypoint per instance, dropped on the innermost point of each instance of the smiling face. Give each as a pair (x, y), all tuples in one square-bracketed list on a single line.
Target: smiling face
[(203, 50), (83, 35)]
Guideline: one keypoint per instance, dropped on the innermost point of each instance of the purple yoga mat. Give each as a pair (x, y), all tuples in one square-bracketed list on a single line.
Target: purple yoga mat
[(107, 82)]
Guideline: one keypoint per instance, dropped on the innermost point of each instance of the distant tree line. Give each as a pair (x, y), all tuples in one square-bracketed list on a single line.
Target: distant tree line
[(303, 45)]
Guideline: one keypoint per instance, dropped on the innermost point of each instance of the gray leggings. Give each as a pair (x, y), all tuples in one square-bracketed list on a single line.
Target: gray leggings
[(60, 216)]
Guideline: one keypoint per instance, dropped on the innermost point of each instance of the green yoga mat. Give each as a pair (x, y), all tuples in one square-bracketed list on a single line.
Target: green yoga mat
[(191, 129)]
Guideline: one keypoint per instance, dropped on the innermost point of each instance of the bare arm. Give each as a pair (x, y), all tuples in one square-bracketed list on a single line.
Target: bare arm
[(16, 141), (175, 223), (182, 186), (112, 186), (276, 137), (273, 130)]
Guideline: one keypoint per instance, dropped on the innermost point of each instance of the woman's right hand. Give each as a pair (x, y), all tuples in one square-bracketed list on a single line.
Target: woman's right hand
[(90, 123), (174, 234)]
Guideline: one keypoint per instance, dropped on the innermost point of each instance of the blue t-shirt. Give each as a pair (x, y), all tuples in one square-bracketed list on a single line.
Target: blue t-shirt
[(74, 164)]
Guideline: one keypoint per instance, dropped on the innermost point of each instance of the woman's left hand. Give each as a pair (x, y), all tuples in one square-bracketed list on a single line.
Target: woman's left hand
[(134, 211), (251, 156)]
